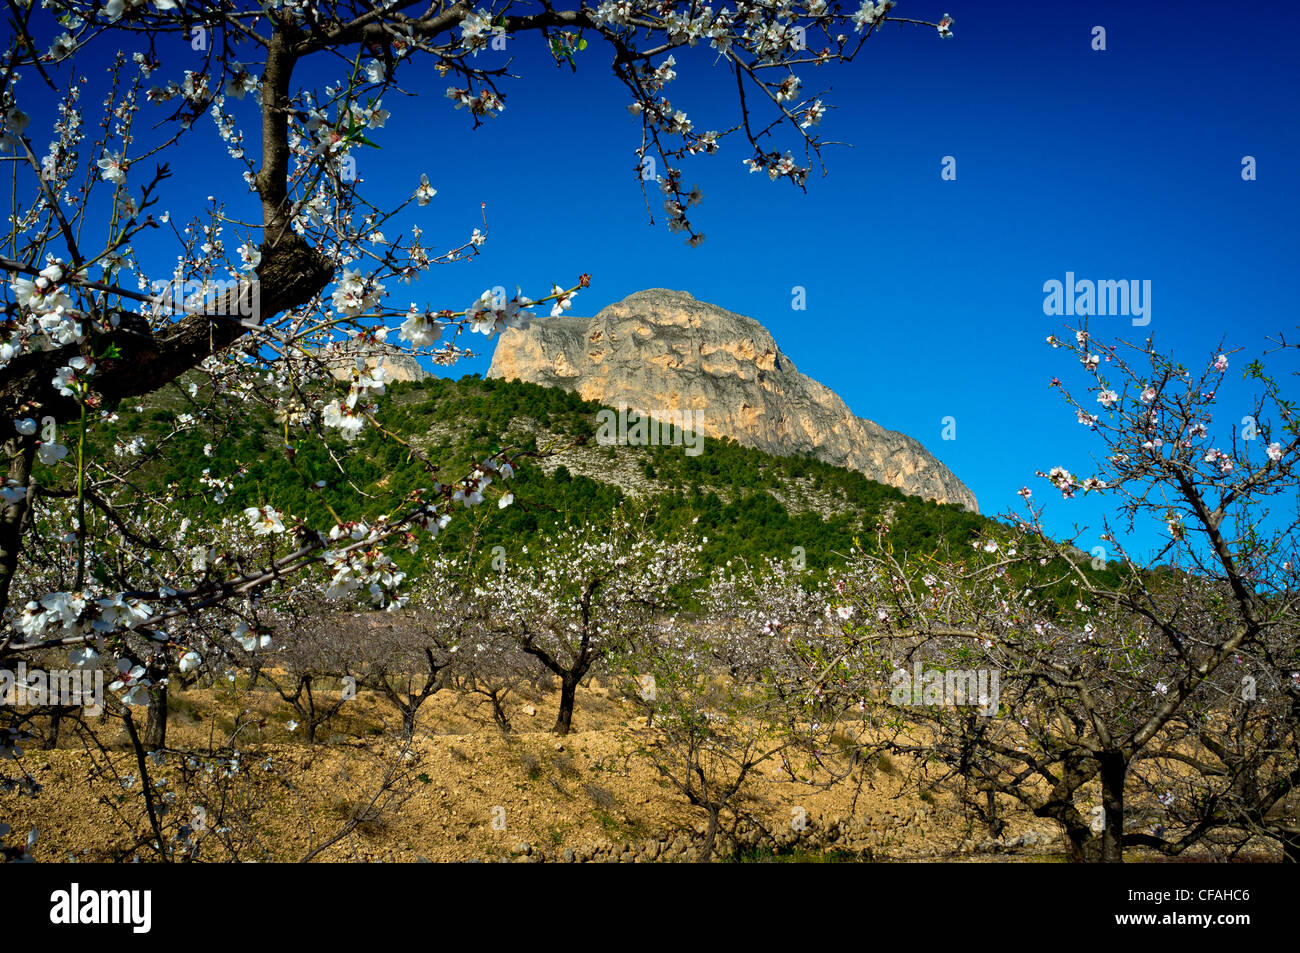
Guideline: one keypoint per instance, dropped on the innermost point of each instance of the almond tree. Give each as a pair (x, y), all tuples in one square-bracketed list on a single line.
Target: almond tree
[(1226, 496), (495, 666), (710, 734), (749, 610), (902, 618), (301, 659), (727, 693), (1169, 689), (408, 655), (585, 593)]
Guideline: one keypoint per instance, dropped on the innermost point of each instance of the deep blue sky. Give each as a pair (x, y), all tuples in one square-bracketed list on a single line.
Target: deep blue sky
[(924, 296)]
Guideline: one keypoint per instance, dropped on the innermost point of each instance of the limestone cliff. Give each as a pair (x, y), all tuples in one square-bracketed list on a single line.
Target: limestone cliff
[(400, 365), (663, 350)]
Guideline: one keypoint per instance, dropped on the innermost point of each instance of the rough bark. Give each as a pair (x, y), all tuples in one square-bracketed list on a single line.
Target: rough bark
[(1114, 774), (155, 729), (11, 518), (568, 693)]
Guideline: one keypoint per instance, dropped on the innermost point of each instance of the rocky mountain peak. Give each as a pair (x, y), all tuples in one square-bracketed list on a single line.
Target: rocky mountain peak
[(400, 365), (661, 350)]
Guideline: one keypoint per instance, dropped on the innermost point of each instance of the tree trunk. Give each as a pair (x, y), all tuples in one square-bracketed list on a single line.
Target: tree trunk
[(1114, 774), (56, 719), (995, 823), (1081, 842), (499, 712), (309, 707), (568, 692), (155, 730), (1076, 844), (11, 518), (710, 836)]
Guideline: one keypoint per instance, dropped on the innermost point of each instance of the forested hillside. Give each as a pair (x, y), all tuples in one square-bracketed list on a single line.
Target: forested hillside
[(748, 503)]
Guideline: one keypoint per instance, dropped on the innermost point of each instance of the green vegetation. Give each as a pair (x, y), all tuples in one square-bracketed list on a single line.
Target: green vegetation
[(741, 499), (747, 504)]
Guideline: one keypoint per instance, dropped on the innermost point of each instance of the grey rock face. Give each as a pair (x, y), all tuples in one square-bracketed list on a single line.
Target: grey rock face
[(660, 350)]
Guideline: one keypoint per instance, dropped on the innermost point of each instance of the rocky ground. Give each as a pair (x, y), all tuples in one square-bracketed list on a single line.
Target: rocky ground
[(464, 791)]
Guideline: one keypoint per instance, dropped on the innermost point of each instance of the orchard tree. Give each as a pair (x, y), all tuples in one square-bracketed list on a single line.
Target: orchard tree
[(1165, 690), (408, 655), (915, 631), (303, 658), (748, 610), (1225, 637), (585, 593), (727, 694), (709, 735), (494, 665)]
